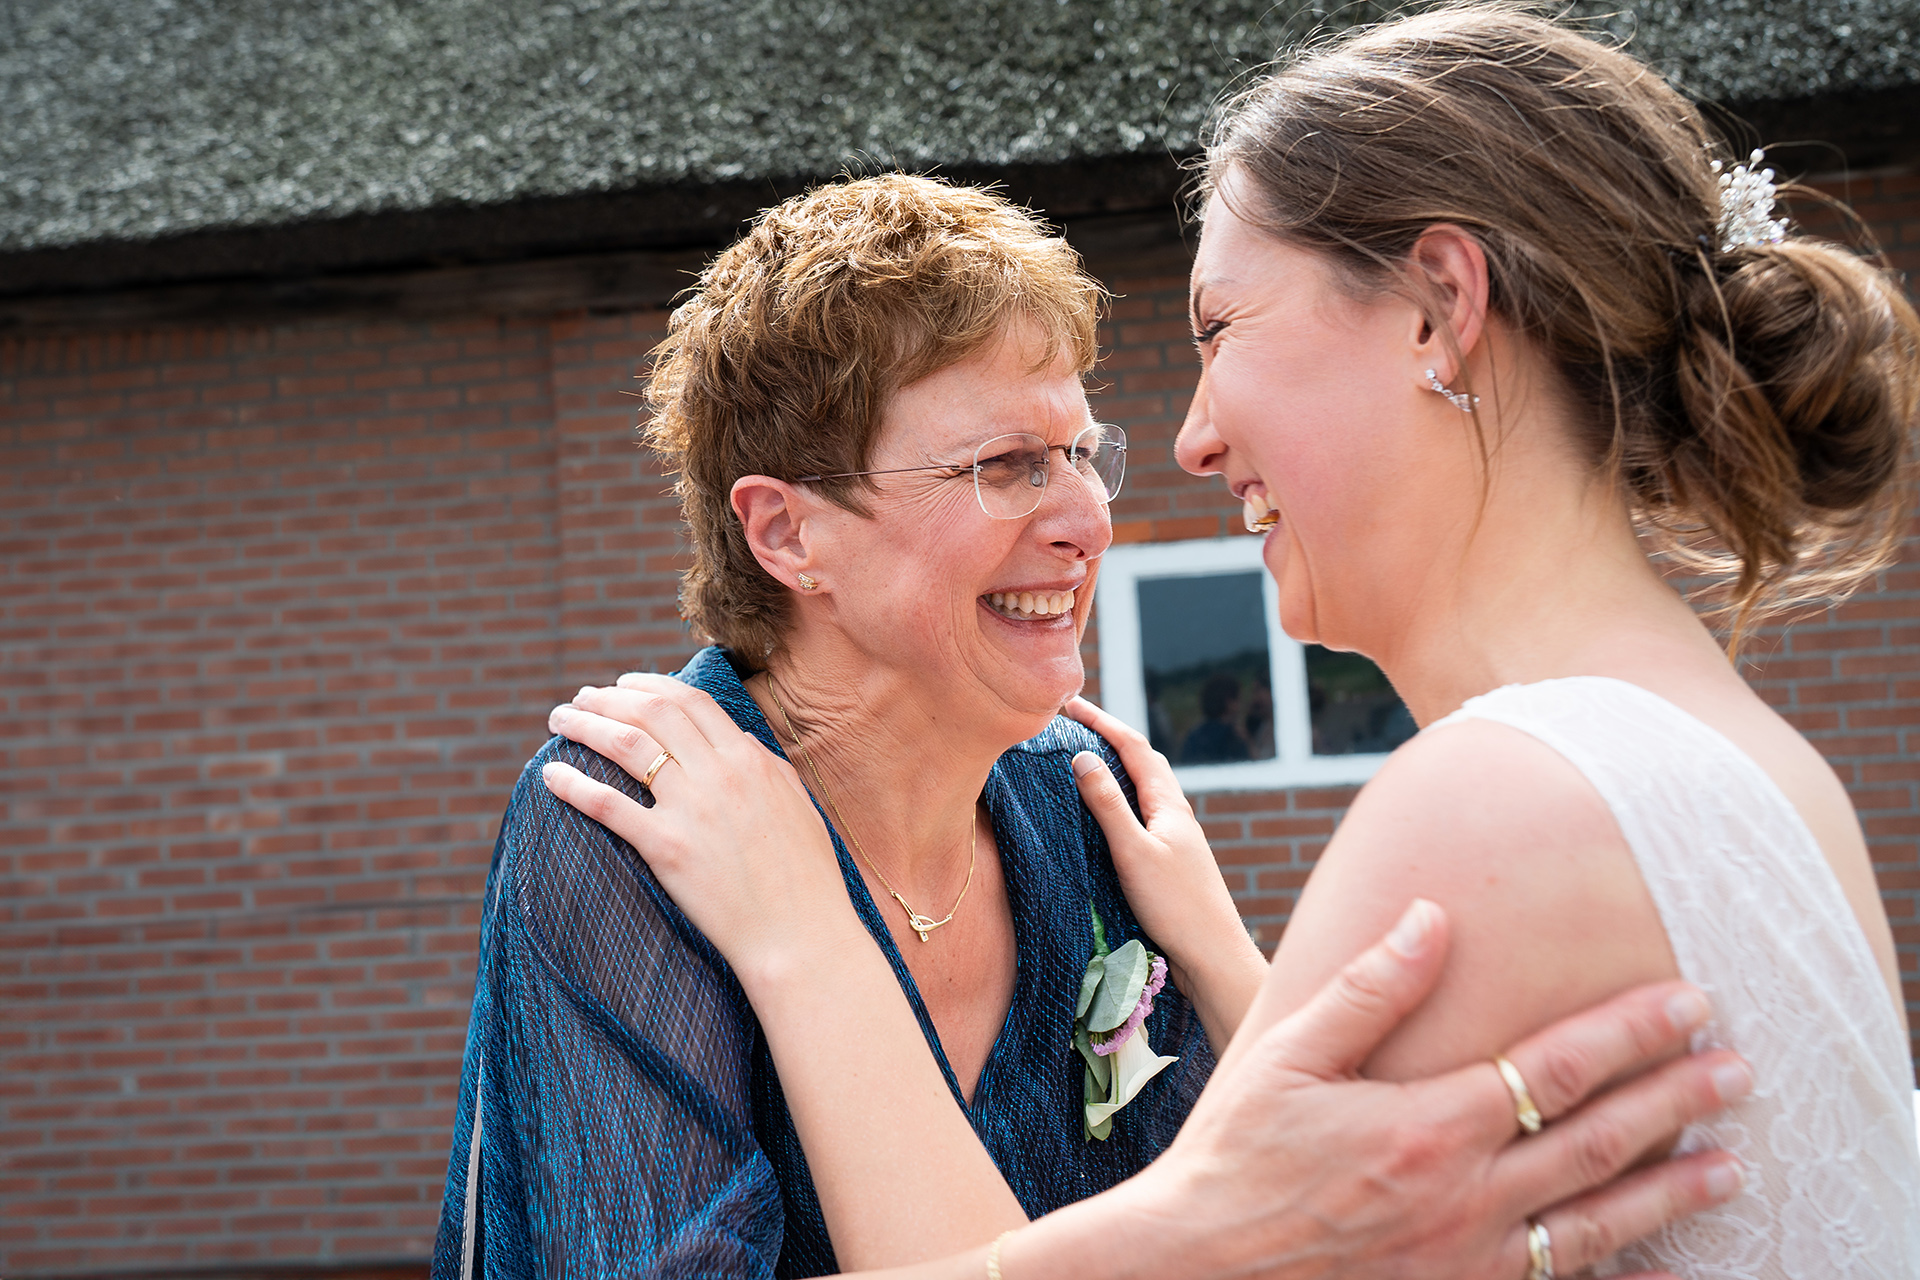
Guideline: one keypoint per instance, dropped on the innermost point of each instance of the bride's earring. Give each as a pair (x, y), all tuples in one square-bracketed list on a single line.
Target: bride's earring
[(808, 583), (1458, 399)]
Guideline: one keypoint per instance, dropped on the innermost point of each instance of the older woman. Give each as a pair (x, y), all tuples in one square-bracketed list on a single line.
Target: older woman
[(897, 502)]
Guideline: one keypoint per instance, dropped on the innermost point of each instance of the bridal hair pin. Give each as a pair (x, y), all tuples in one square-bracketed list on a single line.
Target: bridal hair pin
[(1458, 399), (1746, 205)]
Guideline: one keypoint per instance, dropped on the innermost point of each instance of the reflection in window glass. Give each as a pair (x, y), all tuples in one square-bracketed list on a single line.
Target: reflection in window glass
[(1354, 709), (1203, 648)]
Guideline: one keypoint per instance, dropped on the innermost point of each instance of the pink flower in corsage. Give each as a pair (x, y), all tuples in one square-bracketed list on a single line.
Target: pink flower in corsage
[(1109, 1027)]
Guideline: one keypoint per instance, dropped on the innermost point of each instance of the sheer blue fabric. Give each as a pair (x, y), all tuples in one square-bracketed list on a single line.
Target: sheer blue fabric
[(619, 1114)]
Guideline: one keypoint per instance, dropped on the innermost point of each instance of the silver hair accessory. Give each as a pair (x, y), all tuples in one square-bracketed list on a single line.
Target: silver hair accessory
[(1458, 399), (1746, 205)]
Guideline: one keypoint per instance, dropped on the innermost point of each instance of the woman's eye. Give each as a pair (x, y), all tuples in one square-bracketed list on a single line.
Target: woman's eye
[(1208, 332)]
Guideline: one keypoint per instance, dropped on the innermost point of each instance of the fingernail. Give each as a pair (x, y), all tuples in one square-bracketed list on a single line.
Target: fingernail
[(556, 715), (547, 771), (1687, 1009), (586, 691), (1725, 1180), (1409, 937), (1732, 1080), (1085, 763)]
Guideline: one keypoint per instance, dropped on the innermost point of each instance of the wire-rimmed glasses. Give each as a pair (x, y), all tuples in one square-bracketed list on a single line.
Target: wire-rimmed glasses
[(1010, 472)]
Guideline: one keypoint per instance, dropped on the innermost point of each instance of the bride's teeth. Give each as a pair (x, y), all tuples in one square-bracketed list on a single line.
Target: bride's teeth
[(1026, 602), (1257, 515)]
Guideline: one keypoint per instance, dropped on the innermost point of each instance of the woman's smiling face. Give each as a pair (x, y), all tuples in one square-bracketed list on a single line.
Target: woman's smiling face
[(1302, 405), (916, 585)]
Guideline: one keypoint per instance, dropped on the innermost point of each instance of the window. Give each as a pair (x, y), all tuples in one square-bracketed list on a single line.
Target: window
[(1191, 653)]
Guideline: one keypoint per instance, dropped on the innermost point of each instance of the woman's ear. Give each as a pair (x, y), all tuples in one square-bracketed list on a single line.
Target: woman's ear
[(775, 516), (1451, 282)]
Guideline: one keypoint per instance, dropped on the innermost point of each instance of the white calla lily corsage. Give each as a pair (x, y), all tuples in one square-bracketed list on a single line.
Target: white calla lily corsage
[(1109, 1027)]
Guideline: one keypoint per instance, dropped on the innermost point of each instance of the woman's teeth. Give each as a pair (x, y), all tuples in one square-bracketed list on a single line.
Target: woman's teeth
[(1259, 516), (1031, 604)]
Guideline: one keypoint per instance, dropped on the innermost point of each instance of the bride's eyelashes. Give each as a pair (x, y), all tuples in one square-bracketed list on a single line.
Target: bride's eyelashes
[(1208, 332)]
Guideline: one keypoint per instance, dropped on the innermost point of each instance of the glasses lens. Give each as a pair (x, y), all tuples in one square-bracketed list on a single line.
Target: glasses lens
[(1100, 455), (1010, 475)]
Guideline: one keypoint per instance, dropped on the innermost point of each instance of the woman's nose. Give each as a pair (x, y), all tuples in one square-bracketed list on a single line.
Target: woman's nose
[(1198, 448), (1072, 515)]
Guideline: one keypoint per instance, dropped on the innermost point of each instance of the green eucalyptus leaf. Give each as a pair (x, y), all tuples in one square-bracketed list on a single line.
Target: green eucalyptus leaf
[(1099, 1069), (1090, 981), (1125, 978), (1099, 931)]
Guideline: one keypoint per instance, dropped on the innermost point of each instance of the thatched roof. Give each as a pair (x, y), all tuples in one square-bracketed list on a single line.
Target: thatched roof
[(127, 120)]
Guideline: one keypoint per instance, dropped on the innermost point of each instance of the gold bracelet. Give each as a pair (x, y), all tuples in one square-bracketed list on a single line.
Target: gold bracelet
[(993, 1255)]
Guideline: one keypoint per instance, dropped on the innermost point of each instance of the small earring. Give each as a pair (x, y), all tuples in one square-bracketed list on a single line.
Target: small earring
[(808, 583), (1458, 399)]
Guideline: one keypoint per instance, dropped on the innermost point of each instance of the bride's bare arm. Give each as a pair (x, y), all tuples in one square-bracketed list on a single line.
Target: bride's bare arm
[(1549, 912), (1286, 1163)]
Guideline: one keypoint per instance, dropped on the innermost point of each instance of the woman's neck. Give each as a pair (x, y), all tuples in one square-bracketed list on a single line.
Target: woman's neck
[(897, 769), (1553, 582)]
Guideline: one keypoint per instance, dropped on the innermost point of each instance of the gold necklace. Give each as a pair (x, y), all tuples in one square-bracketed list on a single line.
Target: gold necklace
[(922, 925)]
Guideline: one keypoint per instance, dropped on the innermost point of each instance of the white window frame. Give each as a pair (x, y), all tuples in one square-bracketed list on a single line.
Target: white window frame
[(1123, 687)]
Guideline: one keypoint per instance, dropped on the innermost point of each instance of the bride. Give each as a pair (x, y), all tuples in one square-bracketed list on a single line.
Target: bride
[(1479, 317)]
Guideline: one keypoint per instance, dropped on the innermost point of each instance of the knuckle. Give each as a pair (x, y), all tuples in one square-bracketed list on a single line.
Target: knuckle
[(1580, 1240), (1363, 985), (627, 739), (1648, 1033), (1598, 1149), (1562, 1077), (1418, 1151)]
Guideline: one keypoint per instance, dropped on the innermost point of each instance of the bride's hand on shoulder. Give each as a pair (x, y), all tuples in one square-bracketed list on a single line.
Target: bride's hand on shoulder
[(732, 835), (1169, 874)]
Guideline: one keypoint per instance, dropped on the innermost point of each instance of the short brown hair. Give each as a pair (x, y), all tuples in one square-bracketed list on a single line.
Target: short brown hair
[(784, 358), (1765, 392)]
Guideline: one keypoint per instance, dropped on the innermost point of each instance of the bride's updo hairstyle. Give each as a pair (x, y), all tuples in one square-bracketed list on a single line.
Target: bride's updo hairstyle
[(1755, 401)]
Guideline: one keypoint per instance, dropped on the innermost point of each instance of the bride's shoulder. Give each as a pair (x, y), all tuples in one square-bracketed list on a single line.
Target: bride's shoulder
[(1477, 774), (1547, 909)]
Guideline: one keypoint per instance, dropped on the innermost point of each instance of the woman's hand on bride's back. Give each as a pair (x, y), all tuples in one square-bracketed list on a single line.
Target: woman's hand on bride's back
[(740, 848), (1169, 874)]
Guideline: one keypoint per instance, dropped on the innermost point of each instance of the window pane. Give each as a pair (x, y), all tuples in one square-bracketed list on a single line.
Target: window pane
[(1203, 647), (1354, 709)]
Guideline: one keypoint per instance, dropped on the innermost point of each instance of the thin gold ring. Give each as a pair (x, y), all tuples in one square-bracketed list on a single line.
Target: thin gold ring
[(1539, 1252), (1523, 1109), (646, 779)]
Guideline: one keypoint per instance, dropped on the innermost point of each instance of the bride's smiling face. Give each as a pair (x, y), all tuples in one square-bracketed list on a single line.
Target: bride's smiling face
[(1308, 405)]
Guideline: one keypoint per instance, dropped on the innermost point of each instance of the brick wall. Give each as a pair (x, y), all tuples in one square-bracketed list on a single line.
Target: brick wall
[(282, 614), (282, 611)]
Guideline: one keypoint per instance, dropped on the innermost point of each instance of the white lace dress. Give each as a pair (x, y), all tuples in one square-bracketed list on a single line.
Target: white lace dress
[(1757, 919)]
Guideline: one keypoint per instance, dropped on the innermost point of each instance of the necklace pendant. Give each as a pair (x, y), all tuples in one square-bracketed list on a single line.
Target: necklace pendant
[(923, 935), (922, 925)]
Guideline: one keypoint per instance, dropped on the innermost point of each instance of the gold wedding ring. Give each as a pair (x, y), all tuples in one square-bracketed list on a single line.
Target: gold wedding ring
[(1539, 1250), (646, 779), (1523, 1109)]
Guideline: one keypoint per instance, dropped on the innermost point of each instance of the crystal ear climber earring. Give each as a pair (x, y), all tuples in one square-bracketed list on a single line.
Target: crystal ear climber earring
[(1458, 399), (808, 583)]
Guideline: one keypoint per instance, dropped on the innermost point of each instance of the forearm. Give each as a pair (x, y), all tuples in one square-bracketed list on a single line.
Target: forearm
[(1221, 982), (901, 1175), (1127, 1233)]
